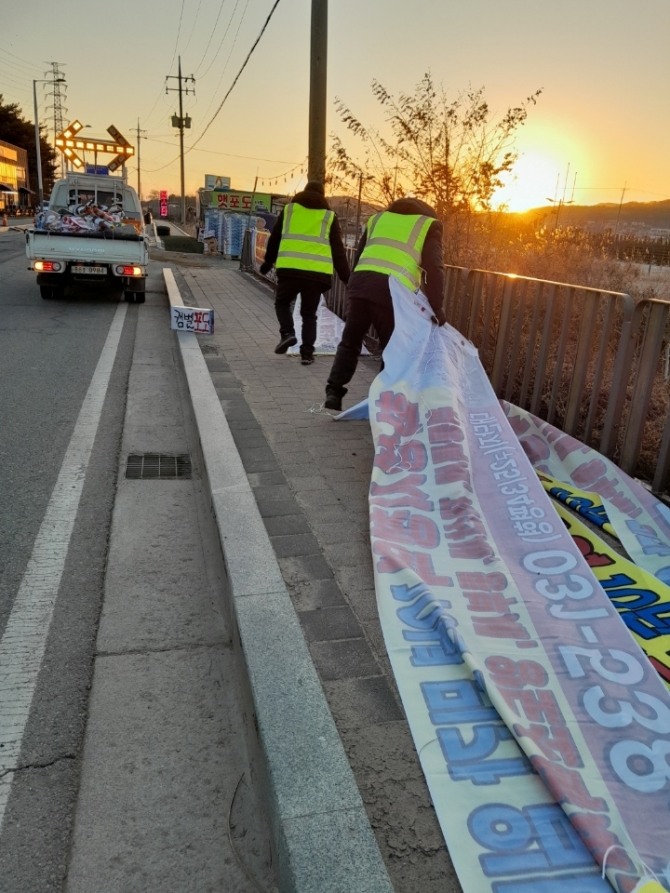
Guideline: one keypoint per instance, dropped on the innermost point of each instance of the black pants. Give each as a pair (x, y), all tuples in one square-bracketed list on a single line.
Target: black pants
[(361, 314), (310, 293)]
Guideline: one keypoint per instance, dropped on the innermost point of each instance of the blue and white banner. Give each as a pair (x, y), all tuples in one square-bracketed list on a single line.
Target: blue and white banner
[(542, 728), (329, 328)]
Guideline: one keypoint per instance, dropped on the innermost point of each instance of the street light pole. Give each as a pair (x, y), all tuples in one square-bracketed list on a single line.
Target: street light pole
[(38, 154)]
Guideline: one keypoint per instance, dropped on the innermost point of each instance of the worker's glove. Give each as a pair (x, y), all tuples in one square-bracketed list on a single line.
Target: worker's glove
[(265, 268)]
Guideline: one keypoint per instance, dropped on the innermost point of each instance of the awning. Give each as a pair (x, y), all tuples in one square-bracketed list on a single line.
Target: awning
[(4, 187), (26, 191)]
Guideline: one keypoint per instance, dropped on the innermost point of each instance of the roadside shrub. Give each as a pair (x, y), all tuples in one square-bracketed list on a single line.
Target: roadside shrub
[(185, 244)]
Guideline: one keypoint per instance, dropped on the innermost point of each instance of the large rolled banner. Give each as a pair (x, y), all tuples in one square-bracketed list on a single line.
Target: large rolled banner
[(641, 522), (329, 328), (542, 728), (643, 602)]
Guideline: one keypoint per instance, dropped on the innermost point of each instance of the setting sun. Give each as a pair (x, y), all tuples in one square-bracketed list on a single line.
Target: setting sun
[(533, 181), (554, 164)]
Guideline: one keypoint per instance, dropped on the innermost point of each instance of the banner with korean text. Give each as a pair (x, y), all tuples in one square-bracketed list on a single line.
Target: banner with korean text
[(542, 728), (640, 521), (643, 602)]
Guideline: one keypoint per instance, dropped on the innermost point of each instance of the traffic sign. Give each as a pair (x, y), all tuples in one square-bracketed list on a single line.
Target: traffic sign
[(71, 144), (120, 141)]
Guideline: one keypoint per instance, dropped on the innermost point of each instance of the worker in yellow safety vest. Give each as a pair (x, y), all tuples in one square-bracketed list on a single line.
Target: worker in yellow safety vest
[(306, 247), (403, 242)]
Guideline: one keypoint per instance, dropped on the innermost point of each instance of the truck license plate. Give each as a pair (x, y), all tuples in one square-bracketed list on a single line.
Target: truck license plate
[(89, 271)]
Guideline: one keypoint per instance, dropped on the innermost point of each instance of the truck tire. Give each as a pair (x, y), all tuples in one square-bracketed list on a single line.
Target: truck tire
[(51, 292), (134, 297)]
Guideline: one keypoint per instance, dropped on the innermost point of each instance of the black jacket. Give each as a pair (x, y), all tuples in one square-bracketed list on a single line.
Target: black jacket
[(372, 286), (309, 199)]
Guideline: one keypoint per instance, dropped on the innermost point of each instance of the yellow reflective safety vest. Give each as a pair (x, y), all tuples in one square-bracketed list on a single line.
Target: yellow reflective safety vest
[(393, 245), (305, 240)]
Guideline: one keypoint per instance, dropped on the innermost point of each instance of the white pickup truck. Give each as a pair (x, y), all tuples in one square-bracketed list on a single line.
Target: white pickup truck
[(91, 233)]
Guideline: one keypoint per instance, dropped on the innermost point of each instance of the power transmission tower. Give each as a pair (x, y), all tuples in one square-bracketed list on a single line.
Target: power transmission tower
[(141, 135), (57, 76), (180, 122)]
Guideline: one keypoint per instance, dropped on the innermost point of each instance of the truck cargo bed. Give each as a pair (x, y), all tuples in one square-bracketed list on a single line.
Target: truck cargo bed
[(104, 247)]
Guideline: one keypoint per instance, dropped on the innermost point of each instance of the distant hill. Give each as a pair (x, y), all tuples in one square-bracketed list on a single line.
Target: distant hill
[(638, 217)]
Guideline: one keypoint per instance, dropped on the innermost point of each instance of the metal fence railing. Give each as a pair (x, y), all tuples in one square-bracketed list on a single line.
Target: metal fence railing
[(589, 361)]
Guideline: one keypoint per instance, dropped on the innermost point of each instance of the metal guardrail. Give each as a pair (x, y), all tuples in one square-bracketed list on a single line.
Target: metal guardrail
[(589, 361)]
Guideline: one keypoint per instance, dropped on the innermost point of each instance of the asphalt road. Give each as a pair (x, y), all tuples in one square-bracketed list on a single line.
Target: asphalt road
[(48, 355)]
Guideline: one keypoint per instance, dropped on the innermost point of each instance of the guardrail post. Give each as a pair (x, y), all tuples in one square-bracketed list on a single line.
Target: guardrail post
[(647, 366)]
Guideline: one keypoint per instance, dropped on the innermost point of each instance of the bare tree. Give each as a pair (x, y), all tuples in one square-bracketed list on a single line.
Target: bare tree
[(452, 153)]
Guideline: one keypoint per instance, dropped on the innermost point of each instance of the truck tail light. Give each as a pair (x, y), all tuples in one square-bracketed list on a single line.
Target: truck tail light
[(123, 270), (48, 266)]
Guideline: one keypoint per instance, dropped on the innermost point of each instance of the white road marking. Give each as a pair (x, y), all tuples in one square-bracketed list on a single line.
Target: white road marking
[(24, 640)]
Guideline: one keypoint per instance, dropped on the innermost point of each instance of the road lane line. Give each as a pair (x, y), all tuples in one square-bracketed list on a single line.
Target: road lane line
[(24, 640)]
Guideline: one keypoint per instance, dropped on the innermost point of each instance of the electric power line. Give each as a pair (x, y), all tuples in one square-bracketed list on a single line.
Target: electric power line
[(195, 19), (237, 77), (211, 37), (230, 90), (225, 34), (176, 43), (215, 91)]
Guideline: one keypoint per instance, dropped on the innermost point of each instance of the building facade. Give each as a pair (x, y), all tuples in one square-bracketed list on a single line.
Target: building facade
[(15, 192)]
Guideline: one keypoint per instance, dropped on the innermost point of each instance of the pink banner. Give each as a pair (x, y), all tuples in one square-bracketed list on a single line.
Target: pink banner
[(523, 689)]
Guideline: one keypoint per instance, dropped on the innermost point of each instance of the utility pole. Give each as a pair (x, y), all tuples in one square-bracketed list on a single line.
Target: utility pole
[(141, 135), (618, 216), (316, 168), (180, 122)]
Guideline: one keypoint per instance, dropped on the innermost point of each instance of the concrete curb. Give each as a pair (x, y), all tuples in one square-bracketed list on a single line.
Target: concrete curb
[(322, 836)]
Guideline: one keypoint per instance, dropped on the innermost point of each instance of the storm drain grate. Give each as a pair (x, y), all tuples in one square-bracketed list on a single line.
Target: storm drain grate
[(158, 466)]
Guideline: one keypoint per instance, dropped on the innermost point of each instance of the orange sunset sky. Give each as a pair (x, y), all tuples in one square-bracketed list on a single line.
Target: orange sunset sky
[(600, 131)]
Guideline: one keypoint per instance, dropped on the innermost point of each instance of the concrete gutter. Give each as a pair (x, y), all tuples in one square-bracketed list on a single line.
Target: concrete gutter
[(322, 836)]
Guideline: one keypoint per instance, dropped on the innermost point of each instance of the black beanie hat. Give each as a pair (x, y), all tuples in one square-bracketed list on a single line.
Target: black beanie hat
[(314, 186)]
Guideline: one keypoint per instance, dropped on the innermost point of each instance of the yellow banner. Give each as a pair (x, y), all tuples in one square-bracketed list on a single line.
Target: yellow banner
[(642, 601)]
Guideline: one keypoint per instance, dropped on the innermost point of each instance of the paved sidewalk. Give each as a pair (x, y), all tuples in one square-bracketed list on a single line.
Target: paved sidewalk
[(310, 477)]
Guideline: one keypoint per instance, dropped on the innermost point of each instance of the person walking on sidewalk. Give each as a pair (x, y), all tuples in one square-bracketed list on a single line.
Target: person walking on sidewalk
[(404, 241), (305, 245)]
